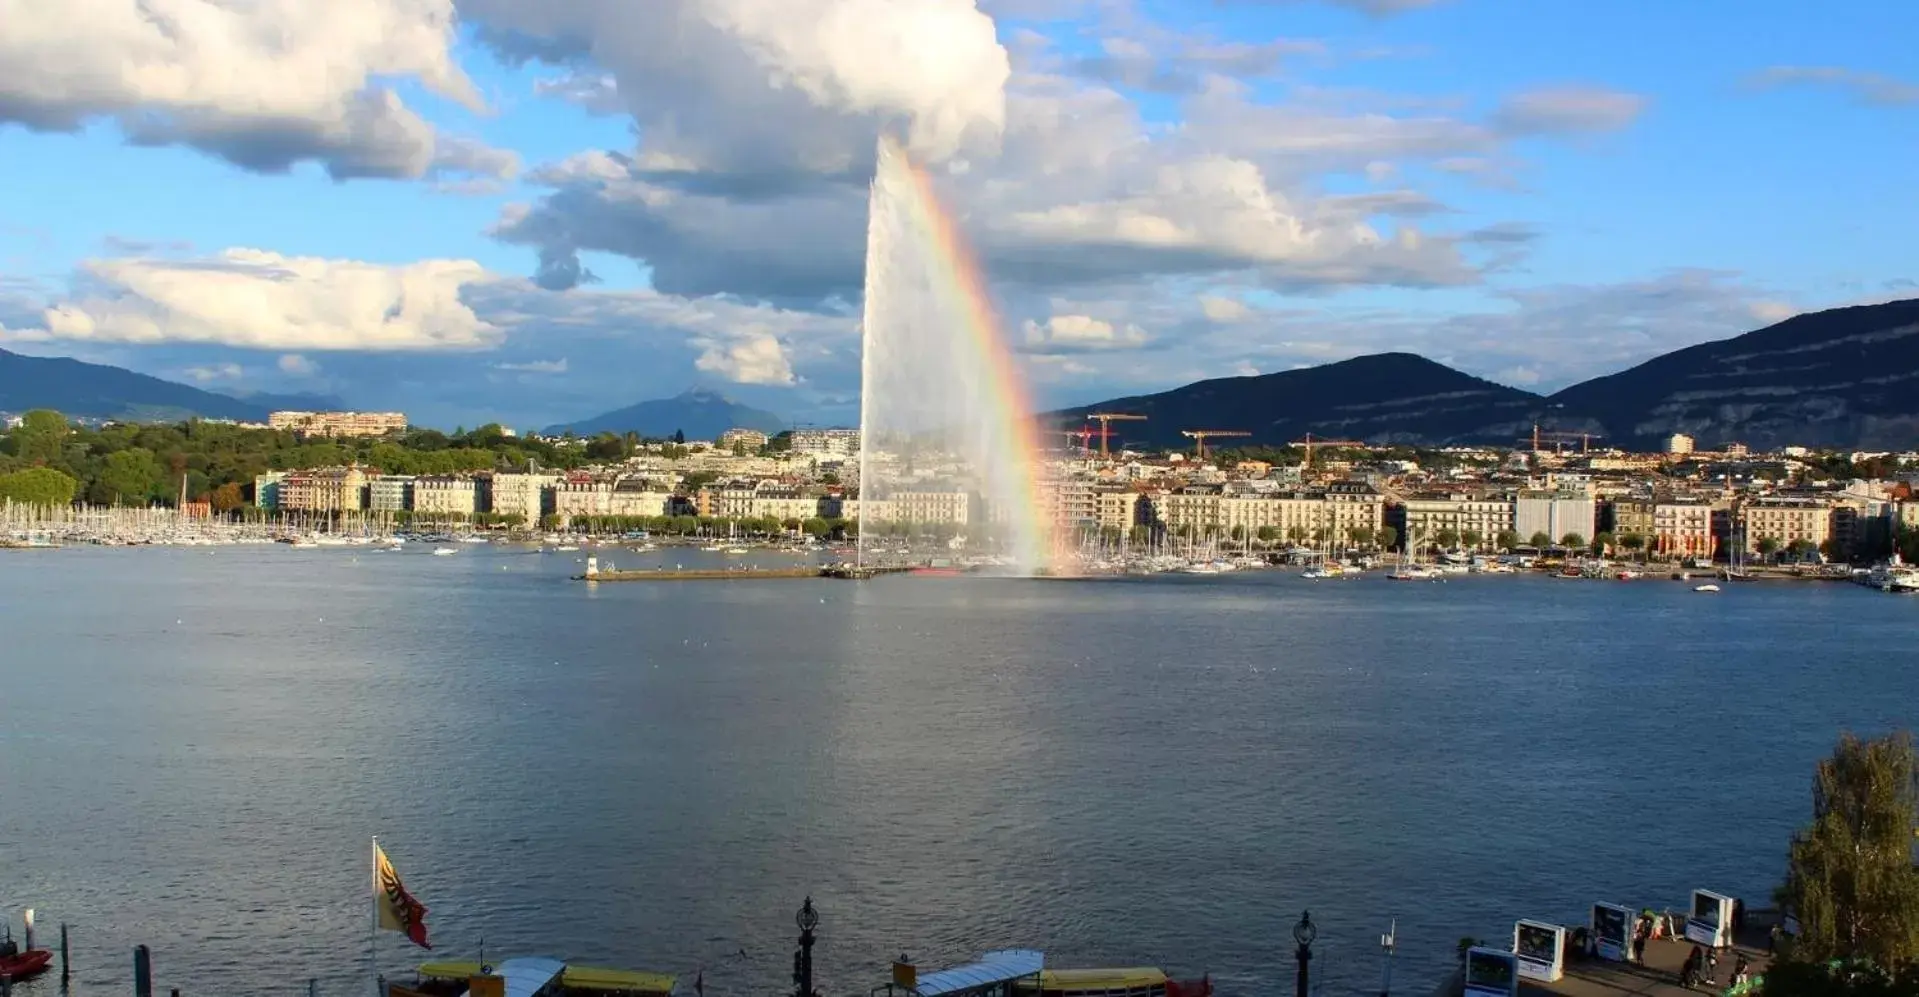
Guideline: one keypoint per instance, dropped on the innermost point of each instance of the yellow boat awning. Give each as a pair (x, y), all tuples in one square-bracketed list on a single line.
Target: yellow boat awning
[(624, 981), (1090, 980), (449, 970)]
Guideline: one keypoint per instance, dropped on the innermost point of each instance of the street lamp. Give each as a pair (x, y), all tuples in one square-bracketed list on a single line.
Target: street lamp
[(1304, 933), (807, 919)]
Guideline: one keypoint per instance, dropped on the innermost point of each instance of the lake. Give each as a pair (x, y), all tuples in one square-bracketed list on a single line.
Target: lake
[(197, 743)]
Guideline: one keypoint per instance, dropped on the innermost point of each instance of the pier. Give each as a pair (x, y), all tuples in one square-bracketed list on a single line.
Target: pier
[(843, 572)]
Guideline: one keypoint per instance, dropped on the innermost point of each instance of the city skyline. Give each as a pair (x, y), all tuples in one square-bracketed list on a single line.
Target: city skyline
[(540, 213)]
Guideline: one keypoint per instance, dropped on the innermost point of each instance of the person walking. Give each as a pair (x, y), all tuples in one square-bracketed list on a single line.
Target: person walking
[(1689, 970)]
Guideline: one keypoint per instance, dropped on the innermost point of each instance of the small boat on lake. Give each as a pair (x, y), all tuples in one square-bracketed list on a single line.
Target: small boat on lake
[(20, 962), (1708, 587), (445, 551), (533, 977)]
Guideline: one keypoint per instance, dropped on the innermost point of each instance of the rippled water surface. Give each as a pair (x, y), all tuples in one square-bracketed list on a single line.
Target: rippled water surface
[(195, 746)]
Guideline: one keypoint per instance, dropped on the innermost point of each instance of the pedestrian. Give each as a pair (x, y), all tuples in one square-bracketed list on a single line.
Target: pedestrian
[(1740, 970), (1689, 970), (1641, 932), (1712, 965)]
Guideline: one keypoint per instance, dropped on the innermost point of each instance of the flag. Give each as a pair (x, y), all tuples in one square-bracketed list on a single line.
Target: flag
[(397, 909)]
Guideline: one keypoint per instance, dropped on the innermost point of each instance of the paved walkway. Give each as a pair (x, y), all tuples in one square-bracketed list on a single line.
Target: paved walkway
[(1659, 977)]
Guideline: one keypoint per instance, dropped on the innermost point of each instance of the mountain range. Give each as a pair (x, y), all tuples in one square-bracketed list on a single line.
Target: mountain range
[(98, 391), (700, 414), (1843, 378)]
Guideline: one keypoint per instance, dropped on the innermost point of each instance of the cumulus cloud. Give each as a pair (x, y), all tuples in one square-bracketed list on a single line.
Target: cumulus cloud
[(1220, 309), (262, 85), (297, 365), (534, 366), (743, 86), (1568, 110), (1081, 334), (261, 300), (1871, 88), (752, 359)]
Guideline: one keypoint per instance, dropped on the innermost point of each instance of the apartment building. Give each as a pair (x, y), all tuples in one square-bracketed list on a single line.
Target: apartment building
[(1682, 529), (325, 490), (338, 423), (1786, 521), (266, 489), (747, 439), (1555, 513), (446, 495), (528, 496), (389, 492), (1422, 519), (827, 442)]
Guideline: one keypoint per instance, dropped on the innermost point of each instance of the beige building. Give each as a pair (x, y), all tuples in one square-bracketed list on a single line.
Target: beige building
[(1634, 517), (523, 495), (326, 490), (1679, 443), (339, 423), (1334, 514), (827, 442), (1786, 520), (1682, 529), (1485, 518), (1123, 510), (445, 495), (750, 439)]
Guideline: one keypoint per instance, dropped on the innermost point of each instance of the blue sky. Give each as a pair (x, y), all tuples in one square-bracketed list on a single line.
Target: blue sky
[(556, 208)]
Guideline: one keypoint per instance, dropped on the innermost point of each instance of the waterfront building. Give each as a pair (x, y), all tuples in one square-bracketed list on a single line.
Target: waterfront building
[(339, 423), (1682, 529), (1423, 518), (1634, 517), (827, 442), (954, 508), (641, 497), (324, 490), (1354, 505), (528, 496), (445, 496), (1555, 513), (1679, 443), (737, 438), (1069, 502), (389, 492), (1123, 510), (266, 489), (784, 504), (1785, 521)]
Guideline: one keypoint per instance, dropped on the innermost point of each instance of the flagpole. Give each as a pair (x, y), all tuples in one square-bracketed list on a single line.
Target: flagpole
[(373, 923)]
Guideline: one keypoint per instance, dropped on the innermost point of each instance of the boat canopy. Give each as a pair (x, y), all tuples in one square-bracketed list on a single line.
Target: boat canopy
[(461, 971), (622, 981), (1092, 981), (528, 976), (993, 969)]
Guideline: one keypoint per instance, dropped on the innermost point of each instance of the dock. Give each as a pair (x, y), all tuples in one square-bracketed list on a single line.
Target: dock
[(1659, 976), (844, 572)]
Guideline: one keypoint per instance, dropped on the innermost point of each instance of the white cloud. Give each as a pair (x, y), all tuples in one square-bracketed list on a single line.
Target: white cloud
[(1563, 110), (261, 84), (1245, 368), (1867, 87), (1081, 334), (1220, 309), (1771, 312), (752, 359), (297, 365), (261, 300), (748, 87), (213, 372), (534, 366)]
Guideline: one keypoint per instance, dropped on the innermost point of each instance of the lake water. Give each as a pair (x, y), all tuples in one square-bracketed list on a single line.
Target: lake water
[(196, 744)]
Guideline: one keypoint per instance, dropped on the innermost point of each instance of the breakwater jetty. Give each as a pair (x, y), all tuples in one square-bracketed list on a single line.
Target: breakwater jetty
[(843, 572)]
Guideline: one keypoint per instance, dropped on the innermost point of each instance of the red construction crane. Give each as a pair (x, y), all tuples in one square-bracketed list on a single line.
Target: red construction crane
[(1106, 420), (1559, 440), (1084, 435), (1200, 436), (1309, 443)]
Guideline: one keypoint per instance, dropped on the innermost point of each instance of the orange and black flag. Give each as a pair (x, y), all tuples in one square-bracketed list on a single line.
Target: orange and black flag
[(395, 907)]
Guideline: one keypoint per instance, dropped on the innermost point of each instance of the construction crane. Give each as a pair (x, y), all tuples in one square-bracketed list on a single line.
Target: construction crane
[(1309, 443), (1106, 420), (1559, 440), (1200, 436), (1084, 435)]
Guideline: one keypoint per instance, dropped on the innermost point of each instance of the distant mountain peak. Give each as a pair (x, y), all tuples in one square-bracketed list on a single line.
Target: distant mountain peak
[(699, 412)]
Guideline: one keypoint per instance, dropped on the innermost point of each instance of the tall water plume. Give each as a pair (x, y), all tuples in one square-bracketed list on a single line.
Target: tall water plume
[(948, 452)]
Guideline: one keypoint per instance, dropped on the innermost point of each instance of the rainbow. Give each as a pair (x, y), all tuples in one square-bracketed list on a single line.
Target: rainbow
[(1013, 477)]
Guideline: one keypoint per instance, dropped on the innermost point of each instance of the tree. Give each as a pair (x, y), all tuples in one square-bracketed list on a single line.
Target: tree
[(1767, 546), (38, 486), (1573, 541), (1361, 535), (130, 477), (1268, 534), (41, 434), (679, 437), (1541, 539), (1295, 533), (1602, 542), (1447, 538), (227, 497), (1388, 536), (1850, 879), (1471, 538), (1508, 539), (1632, 542)]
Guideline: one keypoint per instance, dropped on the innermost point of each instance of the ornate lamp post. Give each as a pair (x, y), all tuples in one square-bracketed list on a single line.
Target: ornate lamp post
[(807, 919), (1304, 933)]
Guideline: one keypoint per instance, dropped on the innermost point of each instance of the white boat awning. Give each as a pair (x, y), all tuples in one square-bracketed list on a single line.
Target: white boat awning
[(527, 976), (1003, 966)]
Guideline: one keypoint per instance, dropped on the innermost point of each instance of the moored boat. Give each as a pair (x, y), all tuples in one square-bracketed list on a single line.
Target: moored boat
[(533, 977), (22, 961), (1141, 981)]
